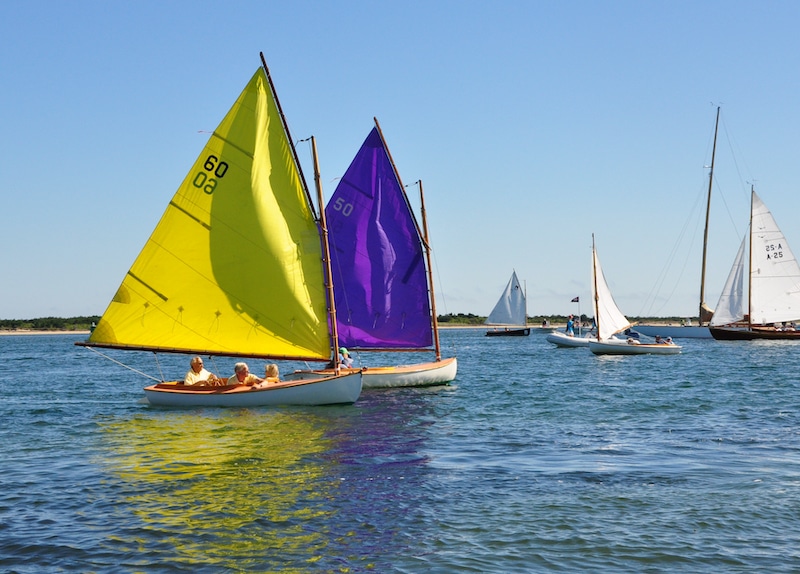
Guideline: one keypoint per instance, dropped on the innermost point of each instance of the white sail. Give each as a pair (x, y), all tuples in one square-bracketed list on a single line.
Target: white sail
[(774, 286), (608, 317), (511, 309), (730, 307), (775, 274)]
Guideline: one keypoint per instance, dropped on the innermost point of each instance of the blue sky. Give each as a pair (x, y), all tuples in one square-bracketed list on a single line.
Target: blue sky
[(532, 125)]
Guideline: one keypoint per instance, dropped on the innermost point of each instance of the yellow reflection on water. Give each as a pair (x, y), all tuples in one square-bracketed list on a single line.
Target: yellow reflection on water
[(221, 486)]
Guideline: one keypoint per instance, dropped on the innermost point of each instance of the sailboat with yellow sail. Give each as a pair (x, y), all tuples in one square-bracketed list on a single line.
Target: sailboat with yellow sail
[(238, 266)]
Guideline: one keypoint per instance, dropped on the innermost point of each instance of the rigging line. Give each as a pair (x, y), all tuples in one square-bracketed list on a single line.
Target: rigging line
[(214, 362), (655, 290), (123, 364), (441, 297), (744, 186), (160, 371)]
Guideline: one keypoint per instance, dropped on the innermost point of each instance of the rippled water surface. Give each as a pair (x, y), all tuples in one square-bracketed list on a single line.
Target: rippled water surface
[(537, 459)]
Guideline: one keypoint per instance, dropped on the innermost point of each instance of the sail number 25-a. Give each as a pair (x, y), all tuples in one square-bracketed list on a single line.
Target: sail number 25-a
[(213, 167), (774, 251)]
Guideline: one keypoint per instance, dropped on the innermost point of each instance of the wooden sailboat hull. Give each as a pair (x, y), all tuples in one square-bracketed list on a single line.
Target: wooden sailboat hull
[(343, 389), (623, 348), (521, 332), (674, 331), (418, 375), (752, 334)]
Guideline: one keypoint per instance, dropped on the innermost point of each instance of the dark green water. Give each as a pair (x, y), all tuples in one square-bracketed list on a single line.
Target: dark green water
[(537, 460)]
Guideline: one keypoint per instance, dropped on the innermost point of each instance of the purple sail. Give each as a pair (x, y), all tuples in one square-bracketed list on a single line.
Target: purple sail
[(380, 283)]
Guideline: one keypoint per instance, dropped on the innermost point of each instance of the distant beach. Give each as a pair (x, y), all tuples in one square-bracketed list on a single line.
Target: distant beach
[(32, 332)]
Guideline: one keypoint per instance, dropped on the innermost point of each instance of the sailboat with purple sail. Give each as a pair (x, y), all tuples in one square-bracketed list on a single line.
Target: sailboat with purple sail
[(380, 261)]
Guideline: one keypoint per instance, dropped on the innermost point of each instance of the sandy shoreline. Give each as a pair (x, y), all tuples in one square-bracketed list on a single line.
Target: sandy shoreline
[(32, 332), (441, 326)]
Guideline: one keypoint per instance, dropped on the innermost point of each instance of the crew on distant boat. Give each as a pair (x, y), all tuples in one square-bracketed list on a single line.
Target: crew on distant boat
[(571, 326), (345, 358)]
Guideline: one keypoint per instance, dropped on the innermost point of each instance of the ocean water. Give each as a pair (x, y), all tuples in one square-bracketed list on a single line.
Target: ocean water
[(536, 459)]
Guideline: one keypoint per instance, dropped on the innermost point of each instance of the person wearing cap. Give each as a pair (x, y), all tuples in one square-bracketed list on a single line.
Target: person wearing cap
[(344, 358)]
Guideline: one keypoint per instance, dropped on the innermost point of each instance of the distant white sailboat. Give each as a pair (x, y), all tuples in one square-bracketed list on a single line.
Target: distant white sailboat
[(773, 302), (609, 321), (510, 312)]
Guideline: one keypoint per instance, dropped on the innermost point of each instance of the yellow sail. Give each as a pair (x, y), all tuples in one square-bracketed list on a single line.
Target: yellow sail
[(234, 266)]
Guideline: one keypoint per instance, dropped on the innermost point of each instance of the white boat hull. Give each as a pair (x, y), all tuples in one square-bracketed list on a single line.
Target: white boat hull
[(674, 331), (624, 348), (418, 375), (313, 391), (561, 339)]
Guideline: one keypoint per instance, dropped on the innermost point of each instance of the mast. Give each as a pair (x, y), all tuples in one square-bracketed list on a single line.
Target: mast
[(750, 266), (326, 256), (288, 135), (703, 305), (434, 317), (397, 176), (525, 292), (596, 297)]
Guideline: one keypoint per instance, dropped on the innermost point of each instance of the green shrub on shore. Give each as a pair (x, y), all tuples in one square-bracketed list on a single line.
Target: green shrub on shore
[(85, 323), (49, 324)]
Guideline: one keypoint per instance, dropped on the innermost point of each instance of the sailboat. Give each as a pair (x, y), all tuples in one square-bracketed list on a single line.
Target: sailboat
[(773, 303), (510, 312), (382, 286), (687, 330), (609, 321), (236, 267)]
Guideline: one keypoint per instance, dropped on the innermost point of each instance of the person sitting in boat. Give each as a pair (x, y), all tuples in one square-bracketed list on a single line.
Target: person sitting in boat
[(243, 376), (571, 326), (198, 375), (271, 376), (632, 341), (344, 358), (668, 341), (271, 373), (659, 340)]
